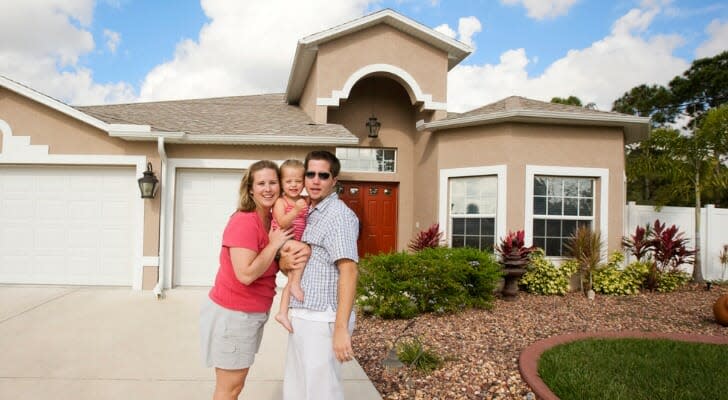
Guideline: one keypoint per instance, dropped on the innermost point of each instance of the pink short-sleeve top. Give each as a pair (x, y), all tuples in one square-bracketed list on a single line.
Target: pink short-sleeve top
[(244, 229)]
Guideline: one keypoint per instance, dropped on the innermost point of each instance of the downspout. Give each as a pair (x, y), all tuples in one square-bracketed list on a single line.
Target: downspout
[(159, 288)]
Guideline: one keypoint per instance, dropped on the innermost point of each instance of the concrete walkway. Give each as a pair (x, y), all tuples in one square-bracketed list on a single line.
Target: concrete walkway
[(113, 343)]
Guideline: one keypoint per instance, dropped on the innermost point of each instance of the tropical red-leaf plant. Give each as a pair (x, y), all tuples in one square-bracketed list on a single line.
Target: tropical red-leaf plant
[(512, 248), (430, 237), (639, 244), (670, 247)]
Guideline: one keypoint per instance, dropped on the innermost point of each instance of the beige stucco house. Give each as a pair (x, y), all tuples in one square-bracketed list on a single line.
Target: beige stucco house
[(71, 212)]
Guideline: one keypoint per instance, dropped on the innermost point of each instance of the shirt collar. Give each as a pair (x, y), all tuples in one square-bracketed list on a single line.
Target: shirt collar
[(323, 204)]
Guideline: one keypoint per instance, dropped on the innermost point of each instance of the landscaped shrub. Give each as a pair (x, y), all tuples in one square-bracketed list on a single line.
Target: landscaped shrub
[(414, 354), (664, 249), (611, 279), (401, 285), (430, 237), (585, 245), (544, 277), (672, 280)]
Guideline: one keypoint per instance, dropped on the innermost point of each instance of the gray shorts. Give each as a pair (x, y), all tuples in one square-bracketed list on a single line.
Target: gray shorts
[(229, 338)]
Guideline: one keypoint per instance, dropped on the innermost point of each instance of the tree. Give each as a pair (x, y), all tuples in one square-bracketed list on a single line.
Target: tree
[(569, 101), (702, 87), (672, 167), (656, 102)]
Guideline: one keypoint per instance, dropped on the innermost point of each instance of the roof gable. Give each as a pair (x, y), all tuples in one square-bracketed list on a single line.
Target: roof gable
[(307, 48)]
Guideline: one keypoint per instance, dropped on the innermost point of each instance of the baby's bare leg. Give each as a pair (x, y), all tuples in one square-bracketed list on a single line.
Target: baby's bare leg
[(282, 316), (294, 283)]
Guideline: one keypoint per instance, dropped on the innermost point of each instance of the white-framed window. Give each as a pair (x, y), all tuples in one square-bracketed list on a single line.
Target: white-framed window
[(560, 205), (559, 199), (472, 206), (367, 159)]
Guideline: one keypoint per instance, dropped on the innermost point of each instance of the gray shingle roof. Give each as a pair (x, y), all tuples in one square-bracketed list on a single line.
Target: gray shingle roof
[(266, 114), (523, 103), (521, 109)]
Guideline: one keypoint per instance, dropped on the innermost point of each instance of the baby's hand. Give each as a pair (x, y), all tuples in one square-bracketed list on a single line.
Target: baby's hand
[(301, 204)]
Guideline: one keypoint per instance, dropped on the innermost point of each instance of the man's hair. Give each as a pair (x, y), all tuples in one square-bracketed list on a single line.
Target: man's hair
[(324, 155)]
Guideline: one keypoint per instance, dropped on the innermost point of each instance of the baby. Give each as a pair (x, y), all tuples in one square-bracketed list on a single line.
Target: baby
[(291, 210)]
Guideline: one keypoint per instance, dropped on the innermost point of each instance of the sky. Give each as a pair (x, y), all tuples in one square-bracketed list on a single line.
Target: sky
[(86, 52)]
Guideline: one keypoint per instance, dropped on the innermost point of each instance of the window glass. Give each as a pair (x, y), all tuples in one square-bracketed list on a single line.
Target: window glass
[(367, 159), (472, 211), (560, 204)]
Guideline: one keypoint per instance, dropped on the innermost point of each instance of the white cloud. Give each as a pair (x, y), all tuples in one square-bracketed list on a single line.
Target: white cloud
[(467, 27), (112, 40), (446, 30), (540, 9), (716, 43), (599, 73), (252, 45), (49, 37)]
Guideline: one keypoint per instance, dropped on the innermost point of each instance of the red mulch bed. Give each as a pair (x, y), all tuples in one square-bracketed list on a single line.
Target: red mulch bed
[(481, 347)]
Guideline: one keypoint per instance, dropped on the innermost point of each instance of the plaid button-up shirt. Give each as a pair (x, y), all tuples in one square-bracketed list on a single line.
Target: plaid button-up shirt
[(331, 231)]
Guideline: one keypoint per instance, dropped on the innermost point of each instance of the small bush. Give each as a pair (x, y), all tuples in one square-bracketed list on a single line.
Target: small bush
[(611, 279), (414, 354), (443, 280), (430, 237), (672, 280), (544, 277)]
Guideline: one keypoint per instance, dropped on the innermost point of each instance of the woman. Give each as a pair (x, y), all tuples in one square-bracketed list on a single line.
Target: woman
[(232, 318)]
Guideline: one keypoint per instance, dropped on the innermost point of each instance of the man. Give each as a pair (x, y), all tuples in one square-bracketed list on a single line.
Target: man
[(323, 322)]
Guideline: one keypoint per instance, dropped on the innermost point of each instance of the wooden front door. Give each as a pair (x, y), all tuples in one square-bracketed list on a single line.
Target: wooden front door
[(375, 203)]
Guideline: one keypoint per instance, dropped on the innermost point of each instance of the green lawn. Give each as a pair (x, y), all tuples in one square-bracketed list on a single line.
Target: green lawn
[(636, 369)]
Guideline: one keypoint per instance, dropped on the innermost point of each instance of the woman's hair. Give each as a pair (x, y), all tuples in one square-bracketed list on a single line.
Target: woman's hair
[(292, 164), (245, 201)]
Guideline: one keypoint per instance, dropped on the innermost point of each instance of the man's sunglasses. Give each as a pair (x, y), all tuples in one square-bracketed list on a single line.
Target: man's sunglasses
[(322, 175)]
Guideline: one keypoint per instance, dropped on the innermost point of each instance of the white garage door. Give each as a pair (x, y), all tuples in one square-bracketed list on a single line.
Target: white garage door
[(204, 201), (67, 225)]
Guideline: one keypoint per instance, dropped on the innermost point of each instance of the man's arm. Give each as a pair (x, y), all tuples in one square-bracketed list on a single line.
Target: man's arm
[(293, 255), (348, 273)]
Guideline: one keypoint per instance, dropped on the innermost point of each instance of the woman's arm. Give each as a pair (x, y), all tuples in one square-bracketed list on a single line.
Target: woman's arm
[(249, 265)]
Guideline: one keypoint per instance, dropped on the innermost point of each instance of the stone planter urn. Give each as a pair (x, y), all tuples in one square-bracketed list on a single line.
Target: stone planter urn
[(510, 284), (514, 259)]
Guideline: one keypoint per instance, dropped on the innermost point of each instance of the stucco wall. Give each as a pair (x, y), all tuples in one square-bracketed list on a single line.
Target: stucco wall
[(339, 59), (388, 101), (517, 145)]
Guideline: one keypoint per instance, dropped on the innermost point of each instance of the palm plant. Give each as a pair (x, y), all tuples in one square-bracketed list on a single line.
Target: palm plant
[(585, 246)]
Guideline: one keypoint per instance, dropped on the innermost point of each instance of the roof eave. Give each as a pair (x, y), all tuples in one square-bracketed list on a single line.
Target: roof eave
[(236, 139), (635, 128)]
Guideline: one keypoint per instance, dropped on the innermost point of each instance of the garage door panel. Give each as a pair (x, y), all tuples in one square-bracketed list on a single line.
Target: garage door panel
[(17, 209), (67, 224), (83, 210), (204, 201), (51, 210)]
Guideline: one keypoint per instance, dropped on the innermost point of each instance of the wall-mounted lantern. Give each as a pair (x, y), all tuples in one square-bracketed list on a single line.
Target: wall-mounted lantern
[(148, 183), (373, 125)]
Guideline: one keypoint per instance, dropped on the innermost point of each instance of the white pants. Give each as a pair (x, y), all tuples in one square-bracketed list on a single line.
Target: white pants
[(312, 371)]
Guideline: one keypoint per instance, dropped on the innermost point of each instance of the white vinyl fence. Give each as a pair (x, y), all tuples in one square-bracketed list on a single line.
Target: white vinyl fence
[(713, 230)]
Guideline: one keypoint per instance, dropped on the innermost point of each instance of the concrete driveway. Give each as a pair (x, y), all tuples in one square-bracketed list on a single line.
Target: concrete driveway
[(113, 343)]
